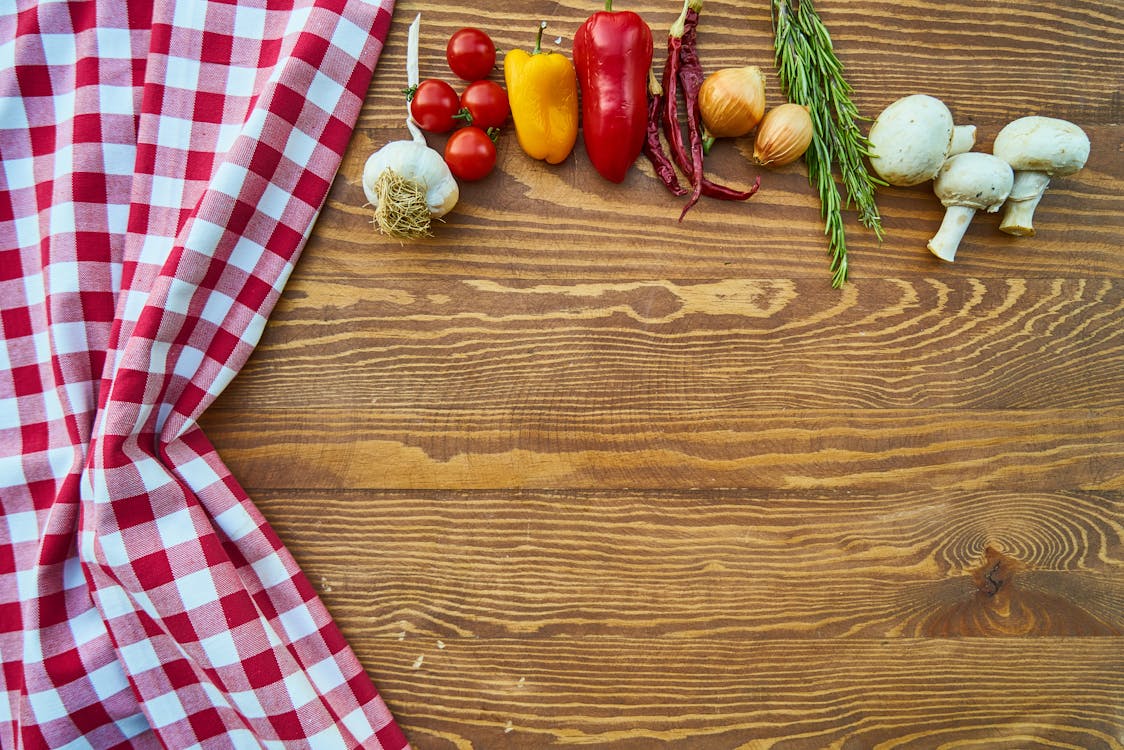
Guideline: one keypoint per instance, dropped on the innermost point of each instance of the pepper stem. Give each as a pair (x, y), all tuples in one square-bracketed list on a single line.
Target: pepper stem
[(538, 39), (679, 28), (608, 6)]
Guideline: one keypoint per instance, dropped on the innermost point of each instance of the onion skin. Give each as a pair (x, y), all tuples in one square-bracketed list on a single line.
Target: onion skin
[(784, 135), (732, 101)]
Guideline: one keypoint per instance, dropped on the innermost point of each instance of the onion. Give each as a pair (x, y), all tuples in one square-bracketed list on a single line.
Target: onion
[(732, 101)]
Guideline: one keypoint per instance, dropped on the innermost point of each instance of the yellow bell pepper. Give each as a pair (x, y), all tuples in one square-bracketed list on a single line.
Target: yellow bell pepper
[(542, 88)]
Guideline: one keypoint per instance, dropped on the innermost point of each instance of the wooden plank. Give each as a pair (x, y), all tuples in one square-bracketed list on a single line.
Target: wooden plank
[(797, 694), (486, 348), (706, 564), (362, 447)]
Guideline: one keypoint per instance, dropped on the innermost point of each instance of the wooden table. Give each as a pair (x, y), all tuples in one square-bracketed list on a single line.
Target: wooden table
[(572, 473)]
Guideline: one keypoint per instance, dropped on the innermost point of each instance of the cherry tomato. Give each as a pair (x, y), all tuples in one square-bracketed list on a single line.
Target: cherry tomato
[(486, 102), (470, 153), (434, 106), (471, 54)]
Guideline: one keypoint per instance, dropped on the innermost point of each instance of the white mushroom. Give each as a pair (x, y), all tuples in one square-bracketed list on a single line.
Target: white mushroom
[(912, 137), (1037, 148), (965, 184)]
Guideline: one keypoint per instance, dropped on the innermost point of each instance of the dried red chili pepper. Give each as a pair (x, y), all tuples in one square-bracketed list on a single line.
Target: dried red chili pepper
[(653, 147), (612, 55), (684, 69)]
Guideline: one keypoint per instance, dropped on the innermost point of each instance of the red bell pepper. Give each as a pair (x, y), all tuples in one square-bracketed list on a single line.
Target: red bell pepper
[(612, 55)]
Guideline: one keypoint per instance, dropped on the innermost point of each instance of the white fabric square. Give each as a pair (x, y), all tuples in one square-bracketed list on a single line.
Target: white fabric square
[(183, 73), (166, 709), (153, 475), (217, 308), (249, 23), (180, 294), (197, 589), (220, 649), (11, 472), (69, 338), (299, 689), (113, 549), (46, 706), (114, 43), (63, 276), (168, 191), (109, 680), (199, 476), (19, 172), (118, 159), (246, 701), (270, 571), (23, 526), (27, 230), (27, 585), (87, 627), (188, 361), (9, 407), (173, 132), (324, 92), (175, 528), (59, 49), (357, 723), (300, 147), (139, 657), (348, 36), (13, 113), (234, 522), (72, 576), (61, 219), (326, 675), (33, 289), (274, 201), (115, 100), (246, 254), (190, 15), (298, 623)]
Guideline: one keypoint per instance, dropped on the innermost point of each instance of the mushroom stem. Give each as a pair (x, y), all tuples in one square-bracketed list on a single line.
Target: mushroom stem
[(1018, 216), (963, 138), (947, 239)]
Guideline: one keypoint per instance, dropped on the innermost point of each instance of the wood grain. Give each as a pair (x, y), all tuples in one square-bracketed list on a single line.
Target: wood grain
[(572, 473)]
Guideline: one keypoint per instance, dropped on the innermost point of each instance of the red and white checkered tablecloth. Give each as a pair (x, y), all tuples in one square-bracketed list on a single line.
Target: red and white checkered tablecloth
[(161, 165)]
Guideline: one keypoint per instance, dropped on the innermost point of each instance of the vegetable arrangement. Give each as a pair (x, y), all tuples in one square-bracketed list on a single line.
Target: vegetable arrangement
[(622, 108)]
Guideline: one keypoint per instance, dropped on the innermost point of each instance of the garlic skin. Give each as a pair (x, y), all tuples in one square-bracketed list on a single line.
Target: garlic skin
[(732, 101), (416, 162), (783, 136)]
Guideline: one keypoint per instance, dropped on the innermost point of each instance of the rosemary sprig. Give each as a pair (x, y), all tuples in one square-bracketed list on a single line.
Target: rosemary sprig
[(810, 74)]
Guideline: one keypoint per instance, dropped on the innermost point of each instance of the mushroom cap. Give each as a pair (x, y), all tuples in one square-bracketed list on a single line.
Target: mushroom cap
[(1042, 144), (910, 140), (974, 180)]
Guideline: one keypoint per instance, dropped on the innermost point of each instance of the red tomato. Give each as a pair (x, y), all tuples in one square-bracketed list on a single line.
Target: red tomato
[(470, 154), (435, 105), (486, 102), (471, 54)]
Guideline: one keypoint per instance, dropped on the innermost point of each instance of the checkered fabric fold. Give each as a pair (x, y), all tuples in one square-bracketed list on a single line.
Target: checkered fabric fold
[(161, 166)]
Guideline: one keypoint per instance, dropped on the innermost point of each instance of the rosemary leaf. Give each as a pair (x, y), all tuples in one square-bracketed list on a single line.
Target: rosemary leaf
[(812, 75)]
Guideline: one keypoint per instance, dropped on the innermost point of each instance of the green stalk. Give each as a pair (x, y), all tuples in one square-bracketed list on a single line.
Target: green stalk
[(811, 74)]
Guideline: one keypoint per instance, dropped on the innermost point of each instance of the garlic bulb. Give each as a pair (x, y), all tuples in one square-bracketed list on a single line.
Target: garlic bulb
[(406, 182), (783, 136)]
